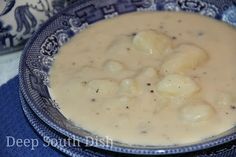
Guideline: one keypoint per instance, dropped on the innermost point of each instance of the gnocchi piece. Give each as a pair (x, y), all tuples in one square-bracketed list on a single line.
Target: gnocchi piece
[(113, 66), (186, 56), (196, 111), (103, 87), (129, 87), (177, 85), (152, 42)]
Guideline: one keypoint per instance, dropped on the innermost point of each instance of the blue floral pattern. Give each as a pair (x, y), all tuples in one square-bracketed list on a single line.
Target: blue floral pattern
[(50, 46), (229, 15), (25, 15)]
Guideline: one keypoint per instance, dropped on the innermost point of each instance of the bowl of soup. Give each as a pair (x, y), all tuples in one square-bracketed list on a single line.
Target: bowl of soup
[(136, 77)]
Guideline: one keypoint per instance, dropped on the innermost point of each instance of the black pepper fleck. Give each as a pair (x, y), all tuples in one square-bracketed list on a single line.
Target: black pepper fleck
[(143, 132), (149, 84), (93, 100), (233, 107), (174, 38), (128, 49), (151, 91), (200, 33), (227, 113), (73, 63), (97, 113), (84, 82), (127, 107), (133, 34), (97, 90), (161, 27), (179, 21)]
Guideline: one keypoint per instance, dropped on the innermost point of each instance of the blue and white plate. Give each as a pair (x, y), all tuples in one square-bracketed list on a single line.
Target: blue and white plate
[(20, 18), (69, 147), (55, 139), (39, 54)]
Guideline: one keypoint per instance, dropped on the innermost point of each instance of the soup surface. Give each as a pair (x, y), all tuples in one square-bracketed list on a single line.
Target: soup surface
[(149, 78)]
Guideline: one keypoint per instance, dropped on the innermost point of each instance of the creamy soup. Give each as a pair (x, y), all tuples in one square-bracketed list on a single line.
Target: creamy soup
[(149, 78)]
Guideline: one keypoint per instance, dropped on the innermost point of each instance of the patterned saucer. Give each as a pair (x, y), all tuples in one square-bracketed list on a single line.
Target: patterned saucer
[(39, 54), (50, 136), (19, 20), (54, 138)]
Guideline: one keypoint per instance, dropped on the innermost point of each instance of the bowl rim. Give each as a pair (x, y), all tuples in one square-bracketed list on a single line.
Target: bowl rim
[(156, 150)]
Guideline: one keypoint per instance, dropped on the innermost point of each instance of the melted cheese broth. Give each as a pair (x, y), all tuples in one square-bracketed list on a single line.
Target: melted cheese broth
[(108, 87)]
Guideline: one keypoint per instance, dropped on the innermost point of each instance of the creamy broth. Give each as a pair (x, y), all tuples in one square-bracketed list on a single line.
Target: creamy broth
[(113, 80)]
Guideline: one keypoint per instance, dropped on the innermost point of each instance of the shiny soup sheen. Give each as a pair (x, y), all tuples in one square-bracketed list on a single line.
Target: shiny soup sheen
[(149, 78)]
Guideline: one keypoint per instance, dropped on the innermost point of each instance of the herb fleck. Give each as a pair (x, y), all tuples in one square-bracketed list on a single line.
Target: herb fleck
[(97, 90)]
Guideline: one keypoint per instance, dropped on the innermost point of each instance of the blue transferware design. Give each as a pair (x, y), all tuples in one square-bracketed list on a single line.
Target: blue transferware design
[(28, 15), (8, 6), (44, 45), (5, 35), (21, 15), (230, 15)]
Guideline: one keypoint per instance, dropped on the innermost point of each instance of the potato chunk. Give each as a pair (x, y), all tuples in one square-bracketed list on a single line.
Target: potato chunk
[(103, 87), (147, 73), (196, 111), (178, 85), (186, 56), (129, 87), (113, 66), (152, 42)]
